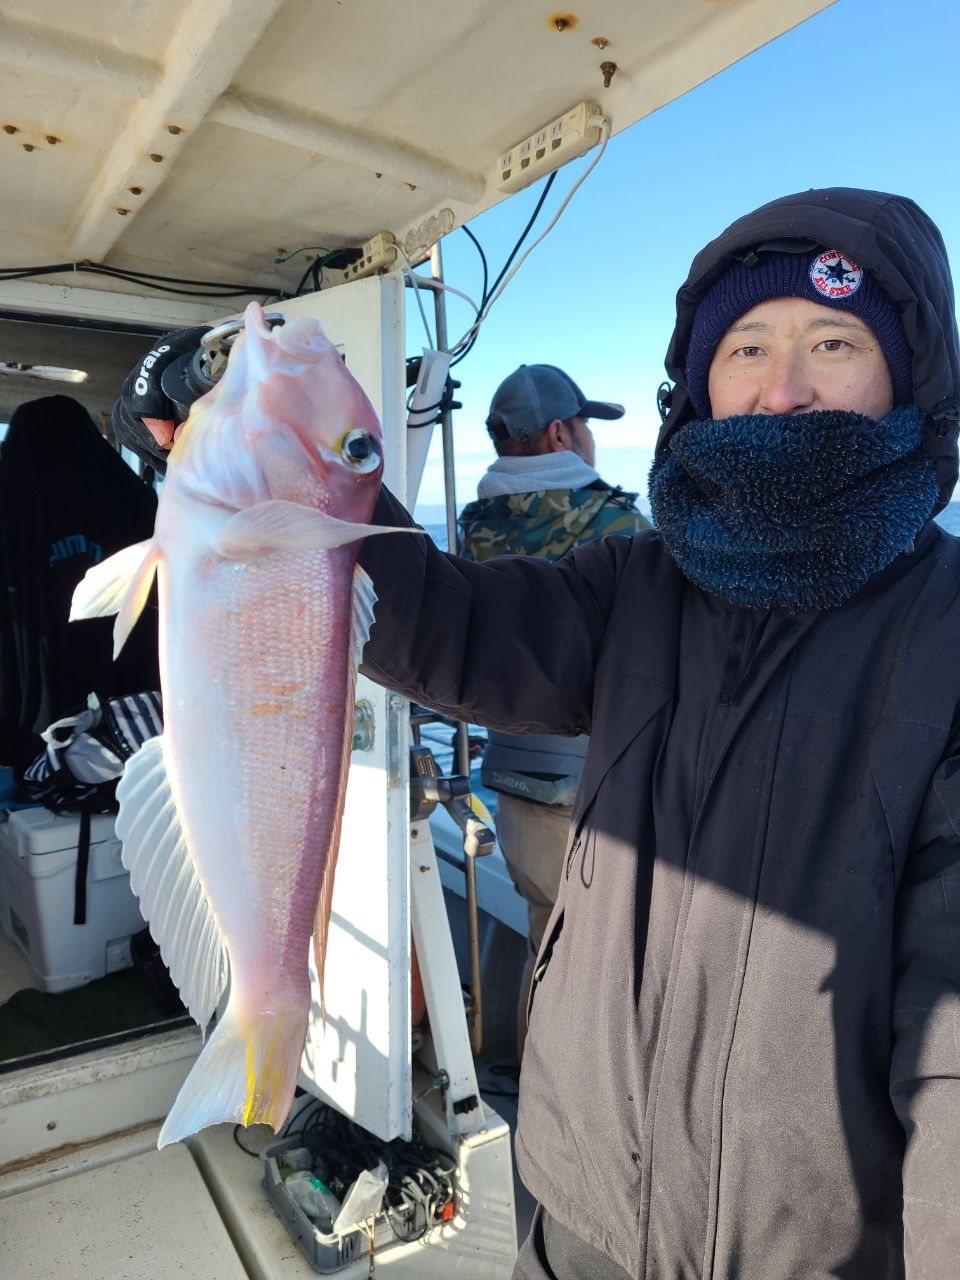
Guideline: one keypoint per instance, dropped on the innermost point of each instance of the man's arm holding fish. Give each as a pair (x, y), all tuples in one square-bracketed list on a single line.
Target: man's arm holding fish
[(510, 643)]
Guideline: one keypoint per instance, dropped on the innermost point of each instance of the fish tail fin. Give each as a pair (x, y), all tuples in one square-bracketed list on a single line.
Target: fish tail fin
[(247, 1074)]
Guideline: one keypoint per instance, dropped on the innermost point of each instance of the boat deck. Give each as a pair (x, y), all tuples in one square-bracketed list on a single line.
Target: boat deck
[(121, 1209), (116, 1207)]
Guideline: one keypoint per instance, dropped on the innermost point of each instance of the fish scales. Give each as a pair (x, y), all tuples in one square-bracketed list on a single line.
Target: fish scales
[(230, 821), (265, 722)]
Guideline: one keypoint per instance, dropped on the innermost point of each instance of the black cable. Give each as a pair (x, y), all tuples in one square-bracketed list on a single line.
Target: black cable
[(149, 275), (421, 1179), (131, 273), (488, 293), (336, 259), (204, 288), (483, 260), (523, 234), (246, 1150), (303, 279)]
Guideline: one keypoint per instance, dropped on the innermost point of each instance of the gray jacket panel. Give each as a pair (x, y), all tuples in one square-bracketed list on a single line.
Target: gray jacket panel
[(742, 1061)]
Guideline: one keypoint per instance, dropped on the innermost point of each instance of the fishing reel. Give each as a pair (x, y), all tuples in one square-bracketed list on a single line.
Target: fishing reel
[(196, 372), (428, 788)]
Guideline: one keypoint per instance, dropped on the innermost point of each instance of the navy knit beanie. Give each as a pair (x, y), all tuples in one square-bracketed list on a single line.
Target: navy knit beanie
[(828, 277)]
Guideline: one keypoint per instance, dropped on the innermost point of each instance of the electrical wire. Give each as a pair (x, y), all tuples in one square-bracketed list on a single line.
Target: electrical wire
[(523, 234), (441, 286), (483, 258), (311, 270), (202, 288), (465, 351), (246, 1150), (421, 1180), (484, 292), (411, 275), (503, 281), (305, 248)]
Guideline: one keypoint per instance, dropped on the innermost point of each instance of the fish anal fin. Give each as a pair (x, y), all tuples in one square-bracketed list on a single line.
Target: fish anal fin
[(164, 878)]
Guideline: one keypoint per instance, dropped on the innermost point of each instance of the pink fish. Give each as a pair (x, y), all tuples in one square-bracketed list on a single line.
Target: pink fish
[(230, 821)]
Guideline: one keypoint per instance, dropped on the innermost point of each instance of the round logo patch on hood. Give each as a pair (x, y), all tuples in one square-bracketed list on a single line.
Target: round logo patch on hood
[(835, 276)]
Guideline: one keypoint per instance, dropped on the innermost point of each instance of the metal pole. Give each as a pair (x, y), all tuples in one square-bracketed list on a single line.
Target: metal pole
[(462, 749), (446, 417)]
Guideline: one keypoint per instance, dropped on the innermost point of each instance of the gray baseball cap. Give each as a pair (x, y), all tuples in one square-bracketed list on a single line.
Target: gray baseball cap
[(535, 394)]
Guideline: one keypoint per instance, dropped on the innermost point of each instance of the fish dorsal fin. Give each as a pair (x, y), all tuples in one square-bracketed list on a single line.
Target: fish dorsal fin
[(164, 878), (278, 525), (364, 599), (120, 584)]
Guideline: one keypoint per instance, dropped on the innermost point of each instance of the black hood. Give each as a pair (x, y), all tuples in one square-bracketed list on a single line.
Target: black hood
[(887, 235)]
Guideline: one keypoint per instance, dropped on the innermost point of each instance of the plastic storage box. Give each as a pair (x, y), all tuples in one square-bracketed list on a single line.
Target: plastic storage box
[(38, 863), (326, 1253)]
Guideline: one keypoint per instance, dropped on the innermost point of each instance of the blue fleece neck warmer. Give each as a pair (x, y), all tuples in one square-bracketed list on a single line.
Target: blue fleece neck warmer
[(794, 512)]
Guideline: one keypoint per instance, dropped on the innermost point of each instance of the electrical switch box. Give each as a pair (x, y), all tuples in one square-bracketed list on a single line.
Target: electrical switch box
[(563, 139), (379, 254)]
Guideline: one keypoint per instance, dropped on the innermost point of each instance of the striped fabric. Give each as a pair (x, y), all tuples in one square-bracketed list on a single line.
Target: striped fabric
[(86, 751)]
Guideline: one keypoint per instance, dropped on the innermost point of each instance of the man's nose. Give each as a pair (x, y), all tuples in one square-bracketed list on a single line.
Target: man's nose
[(786, 388)]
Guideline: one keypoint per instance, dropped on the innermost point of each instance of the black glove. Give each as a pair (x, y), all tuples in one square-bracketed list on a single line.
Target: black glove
[(143, 397)]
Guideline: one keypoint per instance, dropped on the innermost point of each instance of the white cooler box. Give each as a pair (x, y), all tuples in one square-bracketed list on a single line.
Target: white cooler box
[(38, 864)]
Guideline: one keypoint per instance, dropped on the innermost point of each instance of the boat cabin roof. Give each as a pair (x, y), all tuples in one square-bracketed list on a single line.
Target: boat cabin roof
[(206, 139)]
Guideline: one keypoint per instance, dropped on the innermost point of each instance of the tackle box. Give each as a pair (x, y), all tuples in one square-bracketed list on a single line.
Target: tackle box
[(326, 1253), (38, 867)]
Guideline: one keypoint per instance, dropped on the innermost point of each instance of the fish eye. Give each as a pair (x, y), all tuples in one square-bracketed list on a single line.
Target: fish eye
[(361, 451)]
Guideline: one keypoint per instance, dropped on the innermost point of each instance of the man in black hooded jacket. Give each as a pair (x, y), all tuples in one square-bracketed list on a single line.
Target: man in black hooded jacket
[(744, 1045)]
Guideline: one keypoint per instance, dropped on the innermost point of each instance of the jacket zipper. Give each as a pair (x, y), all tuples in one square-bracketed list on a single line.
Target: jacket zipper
[(573, 852)]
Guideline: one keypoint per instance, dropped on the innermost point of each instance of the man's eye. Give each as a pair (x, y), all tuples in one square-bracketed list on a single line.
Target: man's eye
[(747, 351), (832, 344)]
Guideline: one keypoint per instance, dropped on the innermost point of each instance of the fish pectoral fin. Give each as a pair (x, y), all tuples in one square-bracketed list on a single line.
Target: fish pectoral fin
[(120, 584), (164, 877), (277, 525)]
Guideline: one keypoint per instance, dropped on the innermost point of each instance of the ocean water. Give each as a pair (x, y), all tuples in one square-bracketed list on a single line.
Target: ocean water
[(438, 532), (949, 518)]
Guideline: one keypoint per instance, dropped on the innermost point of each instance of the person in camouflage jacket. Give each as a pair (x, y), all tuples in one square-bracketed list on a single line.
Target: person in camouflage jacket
[(541, 497), (549, 522)]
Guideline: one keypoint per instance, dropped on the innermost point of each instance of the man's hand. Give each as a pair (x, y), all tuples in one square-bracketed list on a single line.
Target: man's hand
[(143, 418)]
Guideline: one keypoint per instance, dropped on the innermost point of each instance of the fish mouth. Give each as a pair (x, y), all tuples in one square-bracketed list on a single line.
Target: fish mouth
[(291, 387), (303, 336)]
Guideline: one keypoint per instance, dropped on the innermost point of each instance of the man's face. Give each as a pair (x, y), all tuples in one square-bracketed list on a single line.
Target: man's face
[(790, 356), (578, 437)]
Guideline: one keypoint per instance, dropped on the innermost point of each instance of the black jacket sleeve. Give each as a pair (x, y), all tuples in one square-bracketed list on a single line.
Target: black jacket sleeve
[(925, 1078), (511, 643)]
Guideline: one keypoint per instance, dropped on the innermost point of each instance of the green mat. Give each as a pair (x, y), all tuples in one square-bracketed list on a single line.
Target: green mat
[(33, 1021)]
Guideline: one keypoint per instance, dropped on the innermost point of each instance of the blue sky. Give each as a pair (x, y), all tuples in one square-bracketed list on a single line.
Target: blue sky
[(862, 94)]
